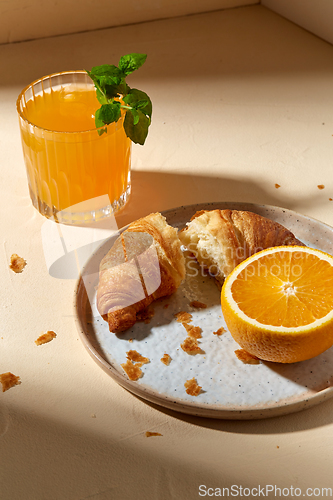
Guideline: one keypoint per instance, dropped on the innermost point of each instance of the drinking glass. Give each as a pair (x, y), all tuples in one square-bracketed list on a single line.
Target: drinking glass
[(75, 176)]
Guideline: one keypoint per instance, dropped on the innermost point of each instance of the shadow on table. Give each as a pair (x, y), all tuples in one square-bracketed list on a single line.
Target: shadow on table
[(317, 416), (158, 191), (92, 459)]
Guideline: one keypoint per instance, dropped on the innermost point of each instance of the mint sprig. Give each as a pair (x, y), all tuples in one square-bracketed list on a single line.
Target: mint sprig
[(115, 95)]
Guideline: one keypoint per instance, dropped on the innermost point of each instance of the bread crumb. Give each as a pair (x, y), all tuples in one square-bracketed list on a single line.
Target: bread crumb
[(149, 434), (133, 371), (93, 415), (183, 317), (137, 358), (193, 331), (220, 331), (246, 357), (190, 345), (277, 186), (130, 340), (321, 186), (166, 359), (133, 364), (145, 315), (17, 264), (46, 337), (198, 305), (8, 380), (192, 388), (330, 199)]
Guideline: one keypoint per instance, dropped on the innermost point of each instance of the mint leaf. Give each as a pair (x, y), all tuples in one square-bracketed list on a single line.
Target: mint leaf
[(105, 70), (102, 99), (112, 91), (131, 62), (136, 126), (136, 116), (139, 100), (108, 80), (99, 123), (105, 75), (109, 113), (114, 94)]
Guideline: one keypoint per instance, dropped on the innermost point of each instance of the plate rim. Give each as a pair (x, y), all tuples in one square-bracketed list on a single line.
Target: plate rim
[(193, 407)]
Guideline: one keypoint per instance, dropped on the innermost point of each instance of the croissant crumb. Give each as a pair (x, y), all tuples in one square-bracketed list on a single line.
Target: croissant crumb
[(166, 359), (146, 315), (46, 337), (132, 370), (17, 264), (198, 305), (191, 346), (193, 331), (183, 317), (136, 357), (220, 331), (246, 357), (8, 380), (192, 388)]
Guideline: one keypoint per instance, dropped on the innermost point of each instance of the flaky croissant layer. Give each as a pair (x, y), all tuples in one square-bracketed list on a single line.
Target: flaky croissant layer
[(221, 239), (144, 264)]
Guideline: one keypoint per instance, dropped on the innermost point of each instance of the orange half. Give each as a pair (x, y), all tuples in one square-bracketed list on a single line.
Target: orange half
[(278, 304)]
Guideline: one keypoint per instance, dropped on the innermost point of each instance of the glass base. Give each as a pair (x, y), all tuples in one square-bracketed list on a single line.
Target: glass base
[(73, 215)]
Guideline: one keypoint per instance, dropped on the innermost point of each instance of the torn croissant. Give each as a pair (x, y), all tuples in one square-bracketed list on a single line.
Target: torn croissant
[(144, 264), (221, 239)]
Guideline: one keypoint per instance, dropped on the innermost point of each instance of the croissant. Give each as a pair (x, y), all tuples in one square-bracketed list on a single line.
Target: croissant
[(144, 264), (221, 239)]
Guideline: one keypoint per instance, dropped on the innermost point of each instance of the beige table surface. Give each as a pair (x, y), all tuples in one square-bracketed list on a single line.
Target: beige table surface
[(242, 100)]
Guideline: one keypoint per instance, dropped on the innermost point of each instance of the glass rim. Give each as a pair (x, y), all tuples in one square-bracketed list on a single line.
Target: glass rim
[(41, 79)]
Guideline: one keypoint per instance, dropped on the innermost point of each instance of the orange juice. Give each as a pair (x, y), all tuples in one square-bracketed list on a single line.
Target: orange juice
[(67, 161)]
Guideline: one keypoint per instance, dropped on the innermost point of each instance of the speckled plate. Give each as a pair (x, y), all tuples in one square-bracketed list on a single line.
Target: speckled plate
[(230, 388)]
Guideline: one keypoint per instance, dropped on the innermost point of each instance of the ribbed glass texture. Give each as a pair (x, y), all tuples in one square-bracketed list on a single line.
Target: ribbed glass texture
[(74, 176)]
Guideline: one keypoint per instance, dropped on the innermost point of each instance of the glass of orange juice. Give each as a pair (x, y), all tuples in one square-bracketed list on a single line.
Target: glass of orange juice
[(74, 174)]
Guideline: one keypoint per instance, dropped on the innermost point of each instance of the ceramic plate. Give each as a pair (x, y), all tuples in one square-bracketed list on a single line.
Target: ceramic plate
[(230, 388)]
